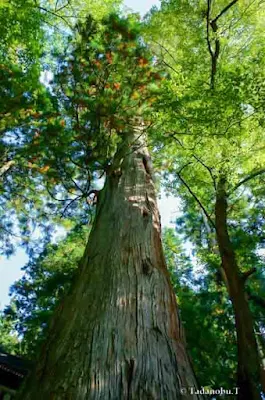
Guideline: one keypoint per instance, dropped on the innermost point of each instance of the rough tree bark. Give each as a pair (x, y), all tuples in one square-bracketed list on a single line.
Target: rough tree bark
[(248, 358), (117, 335)]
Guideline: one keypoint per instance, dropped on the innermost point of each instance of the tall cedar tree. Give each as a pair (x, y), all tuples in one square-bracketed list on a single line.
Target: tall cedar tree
[(117, 334)]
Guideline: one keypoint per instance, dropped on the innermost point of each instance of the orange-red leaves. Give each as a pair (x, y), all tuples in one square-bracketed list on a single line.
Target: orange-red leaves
[(142, 88), (142, 62), (97, 63), (44, 169), (109, 57), (36, 115)]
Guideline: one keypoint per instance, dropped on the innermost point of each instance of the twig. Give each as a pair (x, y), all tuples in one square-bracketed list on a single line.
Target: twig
[(246, 179), (68, 205), (54, 14), (169, 66), (196, 198), (55, 198), (62, 7), (199, 160)]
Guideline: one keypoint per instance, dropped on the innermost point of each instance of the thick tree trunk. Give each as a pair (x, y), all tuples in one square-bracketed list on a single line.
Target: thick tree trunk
[(248, 359), (118, 335)]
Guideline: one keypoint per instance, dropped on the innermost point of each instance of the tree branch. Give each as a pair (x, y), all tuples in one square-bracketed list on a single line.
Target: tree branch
[(53, 13), (6, 167), (69, 204), (247, 274), (255, 298), (207, 27), (196, 198), (213, 23), (246, 179), (197, 159), (55, 198), (62, 7), (208, 169), (166, 50), (169, 66), (214, 54), (224, 11)]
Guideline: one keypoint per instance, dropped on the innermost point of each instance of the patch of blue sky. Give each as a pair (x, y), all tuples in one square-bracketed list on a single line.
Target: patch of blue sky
[(141, 6)]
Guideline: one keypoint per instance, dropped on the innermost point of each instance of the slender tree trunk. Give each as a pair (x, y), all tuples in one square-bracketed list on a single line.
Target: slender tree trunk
[(261, 349), (118, 335), (248, 359), (213, 246)]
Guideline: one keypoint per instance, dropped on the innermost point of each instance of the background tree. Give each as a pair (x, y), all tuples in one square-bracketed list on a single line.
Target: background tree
[(217, 126), (206, 311)]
